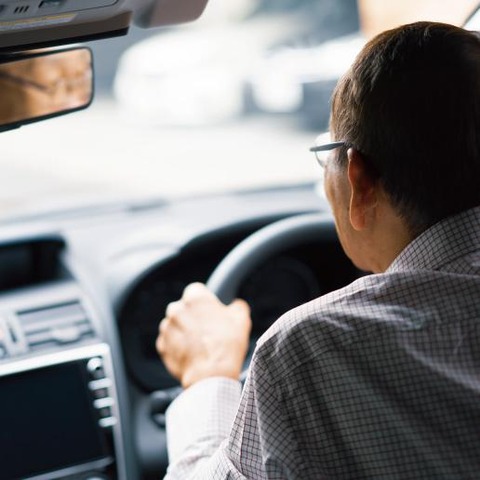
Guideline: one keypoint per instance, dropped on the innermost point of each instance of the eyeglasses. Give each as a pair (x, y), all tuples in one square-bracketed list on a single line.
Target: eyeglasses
[(322, 152)]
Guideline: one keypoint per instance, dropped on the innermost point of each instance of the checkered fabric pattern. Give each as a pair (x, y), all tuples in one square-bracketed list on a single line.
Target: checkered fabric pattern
[(378, 380)]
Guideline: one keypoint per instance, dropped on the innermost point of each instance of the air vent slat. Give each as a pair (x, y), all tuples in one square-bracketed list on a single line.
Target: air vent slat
[(49, 313), (41, 337), (55, 325)]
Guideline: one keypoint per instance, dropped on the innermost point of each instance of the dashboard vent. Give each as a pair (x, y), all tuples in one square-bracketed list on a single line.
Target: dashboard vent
[(55, 325)]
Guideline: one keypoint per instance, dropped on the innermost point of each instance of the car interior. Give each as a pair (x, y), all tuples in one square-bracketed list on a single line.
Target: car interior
[(83, 393)]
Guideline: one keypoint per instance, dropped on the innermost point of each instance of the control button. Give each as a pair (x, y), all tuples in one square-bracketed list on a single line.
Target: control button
[(95, 368), (101, 383), (103, 402), (94, 363), (107, 422), (100, 393)]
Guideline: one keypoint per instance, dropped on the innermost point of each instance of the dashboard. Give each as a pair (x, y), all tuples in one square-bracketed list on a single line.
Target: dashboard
[(80, 302)]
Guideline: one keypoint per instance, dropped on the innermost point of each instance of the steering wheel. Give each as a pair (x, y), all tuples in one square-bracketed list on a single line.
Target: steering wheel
[(263, 244), (242, 260)]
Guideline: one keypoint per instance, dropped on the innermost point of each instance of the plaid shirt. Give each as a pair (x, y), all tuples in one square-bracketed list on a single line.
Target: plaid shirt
[(378, 380)]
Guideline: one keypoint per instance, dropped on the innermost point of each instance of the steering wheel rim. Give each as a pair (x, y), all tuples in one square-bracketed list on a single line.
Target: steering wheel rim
[(248, 254), (263, 244)]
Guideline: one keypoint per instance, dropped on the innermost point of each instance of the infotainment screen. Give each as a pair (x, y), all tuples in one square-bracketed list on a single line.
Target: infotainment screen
[(47, 421)]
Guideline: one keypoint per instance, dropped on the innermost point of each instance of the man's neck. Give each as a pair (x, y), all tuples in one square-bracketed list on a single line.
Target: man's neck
[(392, 236)]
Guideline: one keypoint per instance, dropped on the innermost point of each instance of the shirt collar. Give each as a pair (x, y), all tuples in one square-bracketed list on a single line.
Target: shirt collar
[(445, 241)]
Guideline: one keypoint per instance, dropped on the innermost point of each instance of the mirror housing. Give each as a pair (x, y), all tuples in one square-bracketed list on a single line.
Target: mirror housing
[(44, 84), (28, 24)]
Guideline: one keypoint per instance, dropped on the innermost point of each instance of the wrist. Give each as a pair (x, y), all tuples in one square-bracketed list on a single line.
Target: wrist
[(198, 373)]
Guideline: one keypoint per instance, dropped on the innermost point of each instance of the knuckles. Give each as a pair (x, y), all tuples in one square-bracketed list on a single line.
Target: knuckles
[(174, 309), (160, 345), (196, 291), (163, 326)]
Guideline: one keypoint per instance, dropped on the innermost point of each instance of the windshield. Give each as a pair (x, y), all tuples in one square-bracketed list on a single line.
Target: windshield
[(232, 101)]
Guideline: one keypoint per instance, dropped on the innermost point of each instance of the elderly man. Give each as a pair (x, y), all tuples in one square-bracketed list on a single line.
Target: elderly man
[(380, 379)]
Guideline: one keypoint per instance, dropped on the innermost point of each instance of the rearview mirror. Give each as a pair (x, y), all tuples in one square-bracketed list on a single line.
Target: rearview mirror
[(44, 84)]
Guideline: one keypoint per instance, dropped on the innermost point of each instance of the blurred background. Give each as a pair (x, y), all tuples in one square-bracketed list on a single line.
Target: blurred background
[(231, 101)]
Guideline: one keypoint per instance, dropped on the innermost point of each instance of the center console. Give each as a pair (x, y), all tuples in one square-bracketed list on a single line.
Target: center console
[(58, 416), (59, 408)]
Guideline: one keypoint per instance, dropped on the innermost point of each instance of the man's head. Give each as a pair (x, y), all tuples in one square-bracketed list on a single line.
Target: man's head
[(409, 108)]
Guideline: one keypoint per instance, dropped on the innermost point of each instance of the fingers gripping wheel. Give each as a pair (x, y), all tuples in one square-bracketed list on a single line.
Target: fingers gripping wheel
[(263, 244)]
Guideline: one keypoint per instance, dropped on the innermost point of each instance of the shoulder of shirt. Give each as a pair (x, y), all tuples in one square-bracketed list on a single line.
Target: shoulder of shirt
[(319, 324), (378, 304)]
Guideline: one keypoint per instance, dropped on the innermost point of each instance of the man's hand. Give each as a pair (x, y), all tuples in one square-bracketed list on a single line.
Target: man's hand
[(200, 337)]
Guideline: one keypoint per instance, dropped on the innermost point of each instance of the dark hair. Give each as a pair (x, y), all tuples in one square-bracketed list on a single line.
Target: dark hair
[(411, 105)]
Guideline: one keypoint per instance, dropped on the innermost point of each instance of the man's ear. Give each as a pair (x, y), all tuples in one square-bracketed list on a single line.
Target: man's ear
[(363, 188)]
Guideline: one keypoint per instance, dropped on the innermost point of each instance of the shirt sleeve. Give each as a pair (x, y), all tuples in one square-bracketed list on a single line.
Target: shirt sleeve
[(198, 421), (210, 436)]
